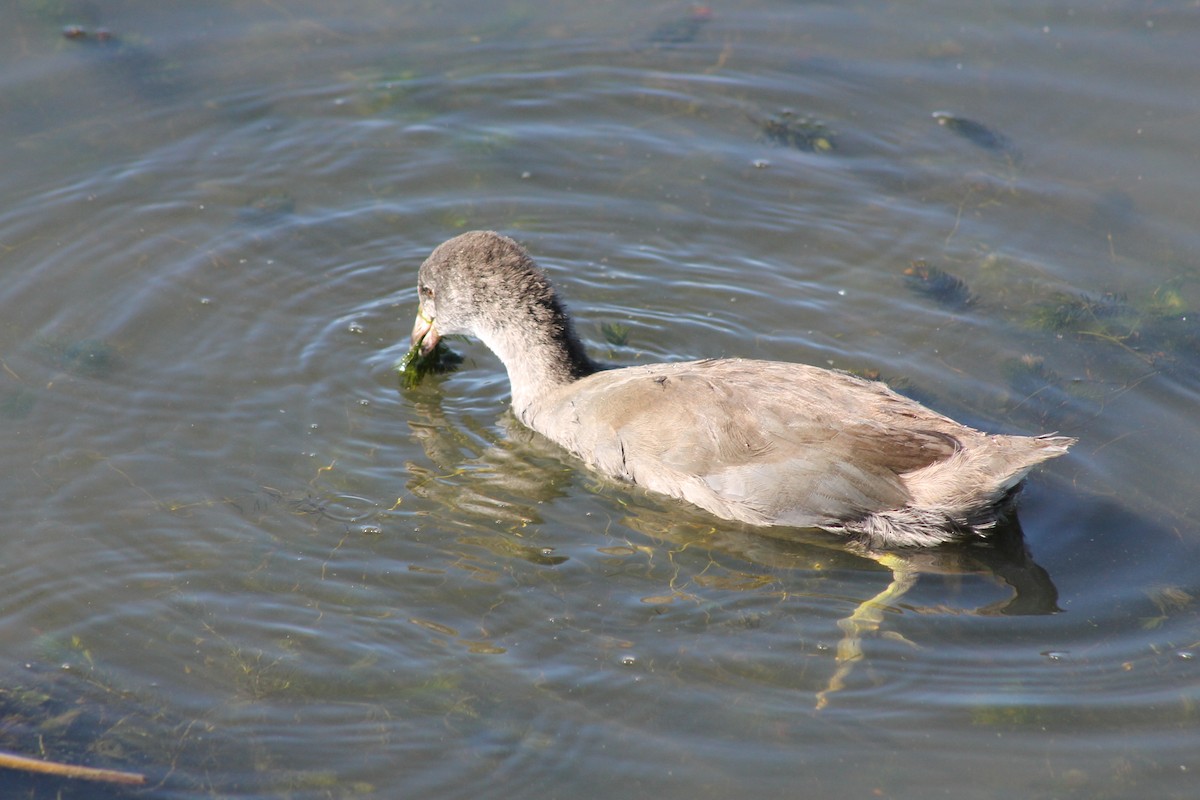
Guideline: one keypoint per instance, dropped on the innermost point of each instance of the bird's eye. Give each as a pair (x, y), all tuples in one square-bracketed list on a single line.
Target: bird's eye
[(426, 292)]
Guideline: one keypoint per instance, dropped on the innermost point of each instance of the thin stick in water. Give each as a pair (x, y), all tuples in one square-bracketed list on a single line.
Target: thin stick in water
[(13, 761)]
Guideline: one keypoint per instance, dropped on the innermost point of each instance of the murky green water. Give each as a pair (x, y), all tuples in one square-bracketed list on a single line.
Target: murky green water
[(239, 559)]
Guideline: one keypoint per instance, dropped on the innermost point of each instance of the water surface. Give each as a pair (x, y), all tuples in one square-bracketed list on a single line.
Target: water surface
[(241, 560)]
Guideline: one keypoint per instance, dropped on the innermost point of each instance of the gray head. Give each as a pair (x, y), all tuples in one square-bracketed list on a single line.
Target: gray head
[(485, 285)]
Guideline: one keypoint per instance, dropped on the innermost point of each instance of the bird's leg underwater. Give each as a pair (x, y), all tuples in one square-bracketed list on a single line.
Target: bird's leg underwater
[(866, 619)]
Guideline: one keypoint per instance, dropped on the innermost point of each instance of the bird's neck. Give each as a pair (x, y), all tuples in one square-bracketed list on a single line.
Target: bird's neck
[(539, 361)]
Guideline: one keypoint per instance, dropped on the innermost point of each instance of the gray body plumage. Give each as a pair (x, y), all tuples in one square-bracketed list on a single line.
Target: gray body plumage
[(760, 442)]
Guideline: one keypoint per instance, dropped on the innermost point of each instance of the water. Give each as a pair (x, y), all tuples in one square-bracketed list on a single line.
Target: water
[(239, 560)]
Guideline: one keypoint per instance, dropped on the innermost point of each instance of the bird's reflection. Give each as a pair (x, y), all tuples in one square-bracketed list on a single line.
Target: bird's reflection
[(1003, 557), (512, 473)]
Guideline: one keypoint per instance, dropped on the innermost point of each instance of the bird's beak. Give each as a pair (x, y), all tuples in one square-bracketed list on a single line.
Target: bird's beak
[(424, 333)]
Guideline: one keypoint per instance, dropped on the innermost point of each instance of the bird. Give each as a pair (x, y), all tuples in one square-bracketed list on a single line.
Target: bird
[(764, 443)]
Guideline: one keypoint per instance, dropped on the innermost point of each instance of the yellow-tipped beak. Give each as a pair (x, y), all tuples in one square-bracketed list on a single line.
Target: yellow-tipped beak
[(424, 333)]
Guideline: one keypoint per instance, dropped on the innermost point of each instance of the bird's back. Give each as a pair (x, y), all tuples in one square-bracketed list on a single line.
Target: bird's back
[(772, 443)]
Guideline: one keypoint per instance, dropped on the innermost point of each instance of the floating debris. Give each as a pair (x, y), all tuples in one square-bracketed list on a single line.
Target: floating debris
[(78, 33), (682, 31), (938, 285), (803, 133), (974, 132), (414, 366)]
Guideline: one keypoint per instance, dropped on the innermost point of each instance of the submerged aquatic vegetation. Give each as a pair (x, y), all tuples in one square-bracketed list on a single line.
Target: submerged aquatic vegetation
[(487, 142), (615, 333), (1029, 371), (1108, 314), (506, 547), (17, 403), (59, 11), (974, 132), (415, 365), (267, 209), (65, 710), (84, 358), (1159, 324), (803, 133), (897, 383), (683, 30), (1178, 334), (377, 94), (1168, 299), (130, 61), (1008, 715), (1158, 330), (1169, 600), (63, 706), (90, 357), (936, 284), (1041, 390)]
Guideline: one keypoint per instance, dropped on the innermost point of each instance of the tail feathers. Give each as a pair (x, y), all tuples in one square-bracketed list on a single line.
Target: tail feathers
[(968, 510), (1036, 449), (1054, 445)]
